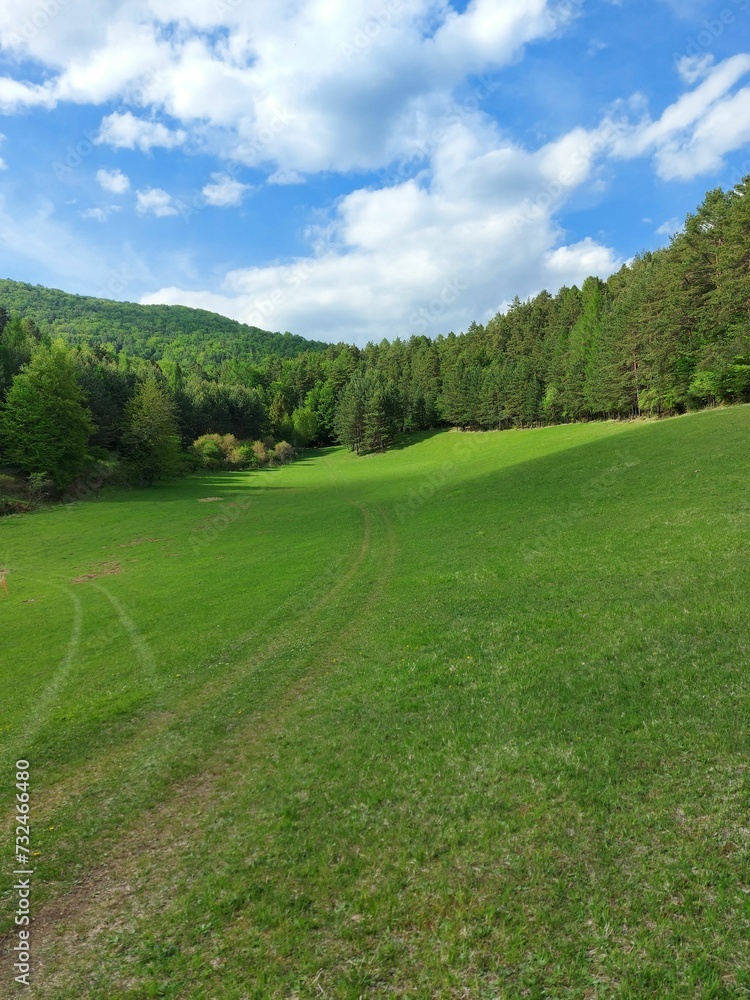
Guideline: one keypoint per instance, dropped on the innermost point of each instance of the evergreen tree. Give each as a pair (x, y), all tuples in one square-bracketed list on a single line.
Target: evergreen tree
[(349, 425), (381, 414), (151, 440), (15, 349), (44, 424)]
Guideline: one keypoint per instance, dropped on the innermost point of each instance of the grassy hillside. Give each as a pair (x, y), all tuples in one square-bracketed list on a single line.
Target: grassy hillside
[(467, 719), (152, 332)]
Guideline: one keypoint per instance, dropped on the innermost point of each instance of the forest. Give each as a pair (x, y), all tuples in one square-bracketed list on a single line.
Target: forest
[(91, 388)]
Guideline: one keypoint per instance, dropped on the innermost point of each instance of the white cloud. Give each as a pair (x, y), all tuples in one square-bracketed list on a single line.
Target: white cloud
[(155, 201), (125, 131), (114, 181), (694, 68), (285, 177), (724, 128), (98, 214), (695, 133), (426, 258), (670, 227), (298, 86), (224, 192), (16, 95)]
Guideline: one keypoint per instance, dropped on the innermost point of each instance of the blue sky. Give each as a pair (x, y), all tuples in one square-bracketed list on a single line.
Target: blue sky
[(350, 170)]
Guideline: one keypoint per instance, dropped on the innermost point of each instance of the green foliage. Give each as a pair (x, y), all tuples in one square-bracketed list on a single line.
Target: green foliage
[(668, 333), (262, 454), (151, 441), (44, 425), (283, 453), (306, 426), (174, 333), (349, 424), (222, 451)]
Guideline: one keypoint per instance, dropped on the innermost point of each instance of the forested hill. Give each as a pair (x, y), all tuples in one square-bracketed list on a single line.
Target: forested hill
[(667, 333), (155, 333)]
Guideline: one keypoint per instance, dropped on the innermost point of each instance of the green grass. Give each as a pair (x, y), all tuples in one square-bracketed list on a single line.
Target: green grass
[(468, 719)]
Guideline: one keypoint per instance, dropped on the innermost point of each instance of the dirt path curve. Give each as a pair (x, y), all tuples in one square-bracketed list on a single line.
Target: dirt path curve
[(118, 892), (87, 774)]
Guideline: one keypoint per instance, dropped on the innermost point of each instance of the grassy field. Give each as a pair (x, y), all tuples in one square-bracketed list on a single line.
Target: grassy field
[(468, 719)]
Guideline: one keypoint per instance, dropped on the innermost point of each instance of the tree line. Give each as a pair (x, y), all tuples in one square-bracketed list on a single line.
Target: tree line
[(667, 333)]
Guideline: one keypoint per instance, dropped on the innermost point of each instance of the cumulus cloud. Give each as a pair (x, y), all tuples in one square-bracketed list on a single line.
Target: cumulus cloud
[(694, 134), (114, 181), (155, 201), (224, 191), (125, 131), (299, 87), (426, 258), (16, 95)]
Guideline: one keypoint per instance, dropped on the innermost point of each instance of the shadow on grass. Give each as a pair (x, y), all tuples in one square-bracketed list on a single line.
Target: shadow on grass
[(570, 465), (404, 441)]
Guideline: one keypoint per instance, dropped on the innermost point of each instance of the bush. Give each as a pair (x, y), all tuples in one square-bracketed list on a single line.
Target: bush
[(12, 487), (306, 426), (262, 456), (11, 506), (248, 456), (209, 450), (283, 453), (221, 451), (13, 496), (38, 486)]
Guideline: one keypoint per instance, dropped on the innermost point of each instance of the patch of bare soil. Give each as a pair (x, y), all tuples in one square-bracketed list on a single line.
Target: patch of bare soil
[(102, 569)]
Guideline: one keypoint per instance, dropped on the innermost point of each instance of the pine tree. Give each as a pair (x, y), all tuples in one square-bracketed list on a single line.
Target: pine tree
[(44, 425), (151, 441), (381, 414), (349, 424)]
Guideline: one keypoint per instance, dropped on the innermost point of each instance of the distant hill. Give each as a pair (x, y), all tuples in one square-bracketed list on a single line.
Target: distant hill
[(153, 332)]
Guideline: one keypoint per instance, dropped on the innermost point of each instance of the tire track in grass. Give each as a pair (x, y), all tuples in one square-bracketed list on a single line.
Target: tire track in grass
[(213, 688), (46, 702), (200, 701), (160, 721), (123, 884), (140, 645)]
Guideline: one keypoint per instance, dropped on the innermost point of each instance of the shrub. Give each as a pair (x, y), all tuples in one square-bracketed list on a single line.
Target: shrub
[(260, 451), (221, 451), (283, 453), (209, 449), (247, 455), (13, 496), (10, 486)]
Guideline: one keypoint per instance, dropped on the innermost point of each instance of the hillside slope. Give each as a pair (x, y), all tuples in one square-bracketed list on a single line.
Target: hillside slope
[(152, 332)]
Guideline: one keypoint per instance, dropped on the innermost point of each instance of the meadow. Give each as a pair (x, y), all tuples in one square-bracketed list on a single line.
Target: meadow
[(466, 720)]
